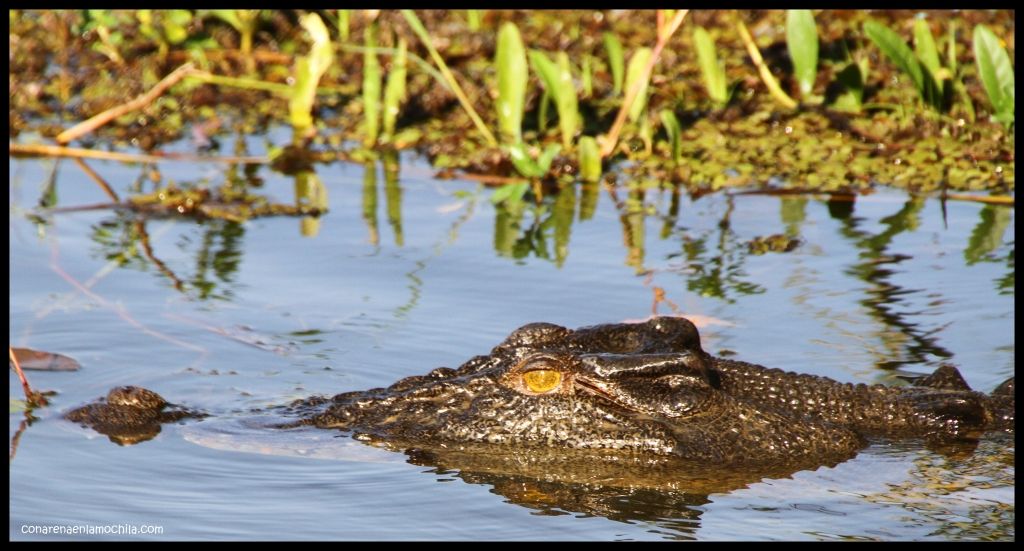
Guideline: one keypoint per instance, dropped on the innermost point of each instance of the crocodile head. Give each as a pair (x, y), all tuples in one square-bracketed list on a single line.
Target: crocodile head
[(644, 388), (129, 415)]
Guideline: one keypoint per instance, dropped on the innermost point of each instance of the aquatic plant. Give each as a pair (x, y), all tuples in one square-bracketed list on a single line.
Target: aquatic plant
[(510, 64), (711, 68), (558, 83), (105, 23), (616, 61), (587, 76), (904, 58), (996, 73), (675, 133), (528, 166), (344, 24), (849, 85), (308, 71), (802, 43), (243, 21), (394, 90), (165, 27), (635, 78), (371, 86)]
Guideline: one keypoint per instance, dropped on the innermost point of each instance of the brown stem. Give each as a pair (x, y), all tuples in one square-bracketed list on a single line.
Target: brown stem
[(21, 375), (139, 102), (44, 150)]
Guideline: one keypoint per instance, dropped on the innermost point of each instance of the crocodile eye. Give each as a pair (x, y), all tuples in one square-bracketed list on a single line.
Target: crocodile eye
[(542, 380)]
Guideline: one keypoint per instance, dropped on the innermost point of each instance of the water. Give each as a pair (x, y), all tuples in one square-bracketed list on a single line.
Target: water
[(409, 273)]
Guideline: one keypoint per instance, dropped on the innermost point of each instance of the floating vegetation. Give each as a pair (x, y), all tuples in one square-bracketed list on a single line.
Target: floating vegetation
[(935, 115)]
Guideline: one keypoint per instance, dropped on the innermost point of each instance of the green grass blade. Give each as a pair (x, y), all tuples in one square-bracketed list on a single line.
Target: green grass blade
[(510, 61), (634, 72), (996, 73), (710, 67), (616, 61), (371, 87), (589, 159), (394, 90), (674, 132), (802, 41), (925, 48)]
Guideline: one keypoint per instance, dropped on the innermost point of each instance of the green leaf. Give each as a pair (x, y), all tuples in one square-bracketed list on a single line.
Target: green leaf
[(512, 193), (394, 90), (510, 60), (674, 132), (710, 67), (899, 53), (925, 48), (996, 73), (802, 41), (558, 82), (589, 159), (633, 73), (616, 61)]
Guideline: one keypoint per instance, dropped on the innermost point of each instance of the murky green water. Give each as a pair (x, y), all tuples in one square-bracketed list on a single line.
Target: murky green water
[(407, 273)]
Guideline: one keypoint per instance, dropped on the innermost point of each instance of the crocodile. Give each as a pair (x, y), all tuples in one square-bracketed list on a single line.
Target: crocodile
[(642, 394)]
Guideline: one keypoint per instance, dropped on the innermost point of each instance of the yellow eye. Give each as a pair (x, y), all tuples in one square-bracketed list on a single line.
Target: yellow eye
[(542, 380)]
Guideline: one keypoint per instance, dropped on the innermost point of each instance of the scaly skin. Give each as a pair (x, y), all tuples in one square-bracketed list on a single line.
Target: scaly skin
[(628, 390)]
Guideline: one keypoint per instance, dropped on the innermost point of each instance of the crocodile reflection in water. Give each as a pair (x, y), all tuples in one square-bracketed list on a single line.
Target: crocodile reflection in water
[(639, 397)]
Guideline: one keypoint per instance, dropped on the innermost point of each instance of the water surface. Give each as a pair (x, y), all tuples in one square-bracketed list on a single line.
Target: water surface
[(407, 273)]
